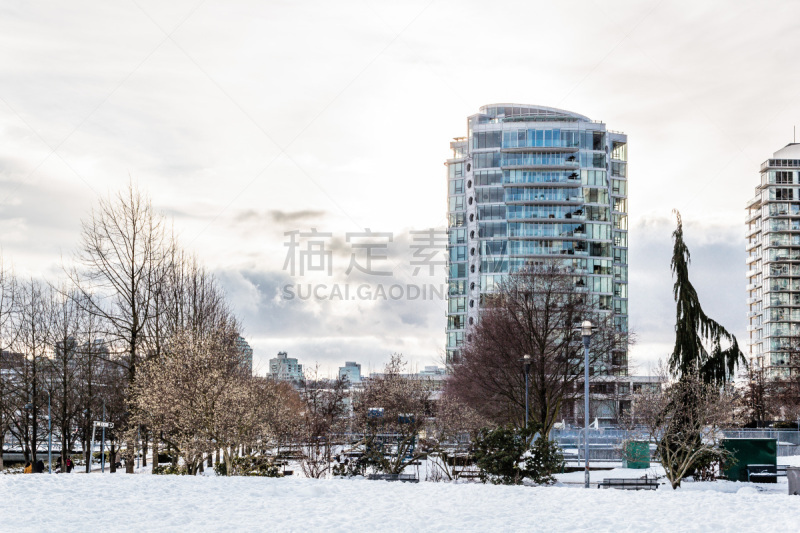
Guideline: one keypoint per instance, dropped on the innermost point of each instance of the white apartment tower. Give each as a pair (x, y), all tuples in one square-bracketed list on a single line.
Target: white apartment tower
[(773, 262), (529, 182)]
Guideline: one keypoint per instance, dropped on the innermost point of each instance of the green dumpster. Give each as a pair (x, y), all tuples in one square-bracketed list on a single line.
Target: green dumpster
[(748, 452), (637, 454)]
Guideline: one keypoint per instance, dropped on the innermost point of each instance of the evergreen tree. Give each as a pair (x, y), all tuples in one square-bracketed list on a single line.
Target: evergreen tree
[(694, 330)]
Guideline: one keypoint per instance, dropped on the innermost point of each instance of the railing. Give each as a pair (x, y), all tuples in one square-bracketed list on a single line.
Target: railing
[(605, 444)]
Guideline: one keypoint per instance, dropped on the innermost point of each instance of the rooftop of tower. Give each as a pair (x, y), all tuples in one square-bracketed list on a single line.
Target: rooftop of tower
[(790, 151), (531, 112)]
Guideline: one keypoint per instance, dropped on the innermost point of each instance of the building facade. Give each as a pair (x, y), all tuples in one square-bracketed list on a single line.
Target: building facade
[(531, 182), (245, 355), (285, 368), (351, 370), (773, 263)]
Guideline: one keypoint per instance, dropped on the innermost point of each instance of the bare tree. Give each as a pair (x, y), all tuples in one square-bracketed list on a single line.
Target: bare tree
[(62, 367), (123, 254), (534, 313), (390, 412), (450, 436), (198, 400), (31, 340), (323, 413), (7, 366), (95, 372)]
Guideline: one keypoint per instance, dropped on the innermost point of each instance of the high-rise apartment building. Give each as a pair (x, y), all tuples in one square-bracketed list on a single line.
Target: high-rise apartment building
[(245, 355), (773, 262), (530, 182)]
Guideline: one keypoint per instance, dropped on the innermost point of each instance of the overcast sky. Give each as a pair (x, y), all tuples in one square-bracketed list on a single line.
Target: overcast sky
[(246, 120)]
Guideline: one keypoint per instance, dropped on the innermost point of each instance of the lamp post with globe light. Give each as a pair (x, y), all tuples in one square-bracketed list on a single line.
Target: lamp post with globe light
[(586, 330)]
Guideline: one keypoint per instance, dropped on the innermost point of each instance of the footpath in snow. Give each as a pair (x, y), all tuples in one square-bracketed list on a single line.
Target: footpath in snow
[(143, 502)]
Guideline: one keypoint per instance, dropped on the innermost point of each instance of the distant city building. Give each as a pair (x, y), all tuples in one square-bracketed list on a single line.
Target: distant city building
[(245, 354), (433, 376), (351, 370), (285, 368), (773, 271), (432, 371)]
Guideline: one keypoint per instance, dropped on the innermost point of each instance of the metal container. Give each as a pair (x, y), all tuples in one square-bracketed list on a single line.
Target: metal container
[(748, 452), (636, 454), (793, 475)]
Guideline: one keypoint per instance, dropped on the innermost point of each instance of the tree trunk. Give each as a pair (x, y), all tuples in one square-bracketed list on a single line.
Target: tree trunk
[(87, 454), (209, 461), (154, 460), (129, 456), (144, 449), (112, 464), (228, 465)]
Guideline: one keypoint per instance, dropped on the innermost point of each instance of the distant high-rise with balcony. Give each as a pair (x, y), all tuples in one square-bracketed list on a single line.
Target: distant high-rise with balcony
[(531, 182), (773, 271), (245, 355)]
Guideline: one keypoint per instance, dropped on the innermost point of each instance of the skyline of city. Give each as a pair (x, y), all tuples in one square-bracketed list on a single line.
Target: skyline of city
[(240, 138)]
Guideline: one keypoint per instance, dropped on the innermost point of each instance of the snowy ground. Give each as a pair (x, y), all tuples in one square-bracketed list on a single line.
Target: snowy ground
[(143, 502)]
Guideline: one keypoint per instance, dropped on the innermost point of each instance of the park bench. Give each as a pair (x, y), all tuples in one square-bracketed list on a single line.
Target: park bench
[(629, 483), (407, 478), (781, 470), (763, 473)]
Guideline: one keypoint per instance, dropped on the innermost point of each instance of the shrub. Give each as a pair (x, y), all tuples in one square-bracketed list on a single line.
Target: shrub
[(505, 457), (544, 459), (499, 455), (249, 465), (353, 467), (170, 469)]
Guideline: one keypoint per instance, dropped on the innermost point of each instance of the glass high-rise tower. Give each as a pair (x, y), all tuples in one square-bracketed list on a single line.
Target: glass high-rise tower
[(773, 271), (530, 182)]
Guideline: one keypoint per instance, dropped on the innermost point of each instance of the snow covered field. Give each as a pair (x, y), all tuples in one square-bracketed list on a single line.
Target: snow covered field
[(174, 503)]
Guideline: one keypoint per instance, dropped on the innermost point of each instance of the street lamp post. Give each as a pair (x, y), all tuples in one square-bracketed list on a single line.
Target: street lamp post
[(586, 334), (49, 437), (526, 359)]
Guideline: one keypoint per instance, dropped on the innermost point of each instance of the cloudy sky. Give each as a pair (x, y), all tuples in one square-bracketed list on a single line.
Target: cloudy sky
[(247, 120)]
